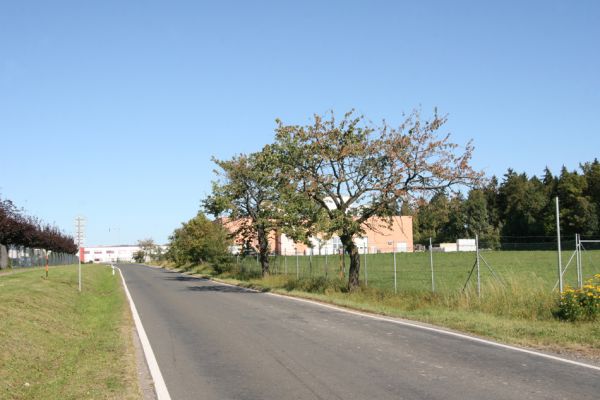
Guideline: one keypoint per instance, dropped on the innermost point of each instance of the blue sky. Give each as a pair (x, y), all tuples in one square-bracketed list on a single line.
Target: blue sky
[(113, 109)]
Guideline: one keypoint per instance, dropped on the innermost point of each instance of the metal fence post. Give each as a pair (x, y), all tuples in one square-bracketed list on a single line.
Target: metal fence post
[(431, 265), (395, 273), (366, 275), (560, 278), (577, 260), (79, 268), (297, 267), (478, 271)]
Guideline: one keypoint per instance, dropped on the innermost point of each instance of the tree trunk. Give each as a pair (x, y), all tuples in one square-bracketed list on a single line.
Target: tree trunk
[(3, 256), (342, 263), (263, 250), (352, 250)]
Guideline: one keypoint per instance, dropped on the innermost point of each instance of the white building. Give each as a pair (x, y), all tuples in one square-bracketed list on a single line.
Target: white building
[(466, 245), (108, 254), (460, 245)]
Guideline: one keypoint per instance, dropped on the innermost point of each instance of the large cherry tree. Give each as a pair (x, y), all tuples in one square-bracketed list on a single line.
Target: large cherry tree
[(354, 170)]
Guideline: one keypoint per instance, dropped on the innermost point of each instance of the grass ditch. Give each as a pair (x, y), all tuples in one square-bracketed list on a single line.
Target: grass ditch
[(518, 312), (57, 343)]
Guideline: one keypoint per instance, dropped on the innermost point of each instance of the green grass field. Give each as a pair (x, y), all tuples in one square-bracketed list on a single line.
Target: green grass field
[(536, 269), (56, 343)]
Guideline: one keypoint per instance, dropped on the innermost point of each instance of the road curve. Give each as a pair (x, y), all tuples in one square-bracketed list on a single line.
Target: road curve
[(220, 342)]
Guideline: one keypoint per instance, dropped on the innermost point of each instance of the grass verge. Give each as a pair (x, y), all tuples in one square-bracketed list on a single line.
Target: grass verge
[(513, 314), (56, 343)]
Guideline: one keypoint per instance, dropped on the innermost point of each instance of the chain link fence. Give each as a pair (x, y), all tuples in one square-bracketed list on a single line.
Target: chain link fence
[(446, 267), (23, 257)]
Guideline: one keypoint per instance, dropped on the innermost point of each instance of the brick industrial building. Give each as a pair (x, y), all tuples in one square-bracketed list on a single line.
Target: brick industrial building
[(379, 237)]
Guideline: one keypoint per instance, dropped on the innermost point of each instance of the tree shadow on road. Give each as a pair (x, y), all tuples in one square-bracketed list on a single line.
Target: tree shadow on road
[(220, 288), (209, 287), (184, 278)]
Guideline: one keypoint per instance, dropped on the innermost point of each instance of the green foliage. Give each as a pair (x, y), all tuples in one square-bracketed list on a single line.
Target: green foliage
[(223, 263), (591, 171), (445, 220), (316, 284), (157, 254), (578, 212), (197, 241), (519, 207), (19, 229), (580, 304), (251, 190), (139, 256), (476, 213), (352, 170), (522, 203), (151, 250), (431, 217), (456, 226)]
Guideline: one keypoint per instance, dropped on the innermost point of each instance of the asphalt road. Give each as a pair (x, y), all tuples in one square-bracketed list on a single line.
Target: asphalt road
[(219, 342)]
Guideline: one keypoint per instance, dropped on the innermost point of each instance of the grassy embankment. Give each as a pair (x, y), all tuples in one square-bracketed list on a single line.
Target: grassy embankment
[(56, 343), (516, 311)]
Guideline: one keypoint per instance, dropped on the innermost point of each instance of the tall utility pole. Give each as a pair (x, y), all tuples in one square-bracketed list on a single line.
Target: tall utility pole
[(79, 238), (560, 272)]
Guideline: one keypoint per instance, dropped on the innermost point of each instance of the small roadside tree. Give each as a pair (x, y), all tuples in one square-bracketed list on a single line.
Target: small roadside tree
[(354, 170), (147, 247), (249, 193), (139, 256), (197, 241)]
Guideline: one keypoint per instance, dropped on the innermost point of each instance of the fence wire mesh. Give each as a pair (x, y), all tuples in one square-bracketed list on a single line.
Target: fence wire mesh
[(526, 262), (23, 257)]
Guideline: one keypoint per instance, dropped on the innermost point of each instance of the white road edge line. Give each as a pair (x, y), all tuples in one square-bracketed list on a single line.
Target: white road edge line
[(423, 327), (159, 383)]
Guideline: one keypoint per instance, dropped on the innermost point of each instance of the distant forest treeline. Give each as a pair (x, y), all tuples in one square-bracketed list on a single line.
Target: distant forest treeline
[(520, 209)]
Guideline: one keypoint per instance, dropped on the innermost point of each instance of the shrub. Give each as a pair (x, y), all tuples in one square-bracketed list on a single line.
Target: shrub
[(580, 304), (318, 284), (223, 264), (198, 241)]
